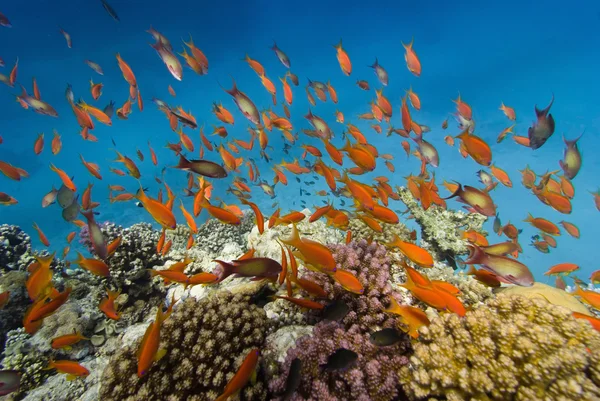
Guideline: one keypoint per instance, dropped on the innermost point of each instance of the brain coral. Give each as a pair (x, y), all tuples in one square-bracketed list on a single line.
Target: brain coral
[(515, 348), (206, 342)]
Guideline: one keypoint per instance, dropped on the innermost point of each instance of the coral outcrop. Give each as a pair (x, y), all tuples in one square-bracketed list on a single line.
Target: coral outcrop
[(372, 377), (513, 348), (371, 265), (206, 342), (441, 228), (15, 248)]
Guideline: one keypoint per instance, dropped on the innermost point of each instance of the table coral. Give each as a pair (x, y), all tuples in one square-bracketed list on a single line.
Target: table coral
[(372, 378), (513, 348), (206, 341)]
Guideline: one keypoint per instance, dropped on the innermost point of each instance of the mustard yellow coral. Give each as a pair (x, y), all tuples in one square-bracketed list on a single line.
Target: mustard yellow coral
[(514, 348)]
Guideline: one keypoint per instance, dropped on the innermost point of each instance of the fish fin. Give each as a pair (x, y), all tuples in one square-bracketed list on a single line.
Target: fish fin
[(160, 354)]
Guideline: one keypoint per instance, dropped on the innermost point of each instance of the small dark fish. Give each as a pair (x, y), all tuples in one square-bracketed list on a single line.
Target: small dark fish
[(139, 204), (311, 183), (65, 196), (306, 182), (274, 204), (316, 177), (542, 129), (497, 223), (109, 110), (386, 337), (201, 167), (263, 296), (113, 142), (293, 379), (10, 380), (342, 202), (298, 179), (286, 151), (70, 212), (110, 11), (336, 311), (341, 359)]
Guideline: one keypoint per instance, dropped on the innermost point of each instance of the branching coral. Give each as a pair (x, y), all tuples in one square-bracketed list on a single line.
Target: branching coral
[(371, 265), (372, 377), (206, 342), (513, 348)]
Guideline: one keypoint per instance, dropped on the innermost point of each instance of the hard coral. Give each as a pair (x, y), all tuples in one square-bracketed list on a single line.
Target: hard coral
[(206, 342), (15, 248), (372, 377), (371, 265), (513, 348), (440, 227)]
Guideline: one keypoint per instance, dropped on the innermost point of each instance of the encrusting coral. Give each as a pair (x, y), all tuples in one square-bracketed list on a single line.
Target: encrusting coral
[(15, 248), (372, 377), (206, 341), (513, 348)]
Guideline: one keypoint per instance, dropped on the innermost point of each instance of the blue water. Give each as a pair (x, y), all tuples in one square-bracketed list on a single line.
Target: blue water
[(512, 51)]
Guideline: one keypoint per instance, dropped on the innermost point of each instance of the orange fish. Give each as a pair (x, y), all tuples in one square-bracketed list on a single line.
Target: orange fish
[(42, 236), (67, 340), (56, 143), (64, 177), (343, 59), (127, 72), (72, 369), (148, 351), (242, 376), (38, 145), (508, 112), (412, 60), (314, 253), (477, 148), (411, 316), (414, 253), (543, 225), (562, 268), (94, 266), (107, 305), (594, 321)]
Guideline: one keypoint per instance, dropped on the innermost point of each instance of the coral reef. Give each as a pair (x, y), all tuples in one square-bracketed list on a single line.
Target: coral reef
[(15, 248), (513, 348), (553, 295), (372, 377), (371, 265), (441, 228), (20, 355), (266, 245), (213, 235), (361, 231), (11, 316), (206, 342)]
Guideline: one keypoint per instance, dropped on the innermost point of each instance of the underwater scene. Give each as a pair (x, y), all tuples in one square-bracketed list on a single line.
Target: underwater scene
[(332, 200)]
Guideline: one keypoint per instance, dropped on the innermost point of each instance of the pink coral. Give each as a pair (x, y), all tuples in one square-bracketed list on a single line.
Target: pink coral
[(372, 377), (370, 264)]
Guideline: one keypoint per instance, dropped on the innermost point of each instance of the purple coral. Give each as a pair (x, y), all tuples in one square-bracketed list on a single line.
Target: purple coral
[(374, 376), (371, 265)]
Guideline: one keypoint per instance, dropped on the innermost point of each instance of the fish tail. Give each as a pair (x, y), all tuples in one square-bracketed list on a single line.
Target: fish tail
[(88, 214), (227, 269), (294, 237), (457, 192)]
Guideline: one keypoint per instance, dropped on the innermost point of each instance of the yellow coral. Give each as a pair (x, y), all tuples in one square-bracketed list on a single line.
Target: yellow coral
[(513, 348)]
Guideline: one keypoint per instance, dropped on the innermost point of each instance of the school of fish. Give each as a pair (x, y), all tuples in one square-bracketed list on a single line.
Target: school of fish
[(340, 164)]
